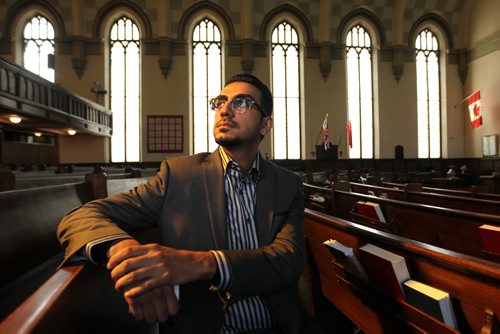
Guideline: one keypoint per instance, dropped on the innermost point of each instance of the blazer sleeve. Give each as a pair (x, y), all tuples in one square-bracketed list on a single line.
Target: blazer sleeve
[(121, 215), (280, 263)]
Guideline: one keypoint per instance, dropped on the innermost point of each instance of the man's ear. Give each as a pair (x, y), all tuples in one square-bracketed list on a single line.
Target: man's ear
[(266, 125)]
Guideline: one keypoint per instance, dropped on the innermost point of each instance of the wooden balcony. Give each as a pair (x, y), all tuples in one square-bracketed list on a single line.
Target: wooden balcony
[(46, 106)]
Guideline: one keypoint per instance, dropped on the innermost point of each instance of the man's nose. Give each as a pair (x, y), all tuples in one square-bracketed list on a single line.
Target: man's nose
[(227, 109)]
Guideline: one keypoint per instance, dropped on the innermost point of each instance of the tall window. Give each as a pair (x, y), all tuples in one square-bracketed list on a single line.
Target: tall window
[(360, 92), (428, 95), (207, 82), (125, 90), (285, 69), (39, 47)]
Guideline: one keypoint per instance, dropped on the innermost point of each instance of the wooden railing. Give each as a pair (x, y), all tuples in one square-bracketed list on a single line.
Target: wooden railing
[(30, 95)]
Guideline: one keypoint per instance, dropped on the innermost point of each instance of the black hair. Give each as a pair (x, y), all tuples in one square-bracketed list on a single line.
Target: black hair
[(267, 98)]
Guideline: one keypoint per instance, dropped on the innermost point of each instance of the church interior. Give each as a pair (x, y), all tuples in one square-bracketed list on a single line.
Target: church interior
[(392, 102)]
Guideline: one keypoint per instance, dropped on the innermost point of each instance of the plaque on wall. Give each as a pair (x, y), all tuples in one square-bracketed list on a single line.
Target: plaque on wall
[(490, 146), (165, 134)]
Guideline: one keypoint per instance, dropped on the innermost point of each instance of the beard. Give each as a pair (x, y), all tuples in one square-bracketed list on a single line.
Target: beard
[(228, 142)]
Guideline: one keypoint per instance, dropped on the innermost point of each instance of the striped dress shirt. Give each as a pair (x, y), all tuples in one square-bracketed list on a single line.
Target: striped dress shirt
[(249, 314)]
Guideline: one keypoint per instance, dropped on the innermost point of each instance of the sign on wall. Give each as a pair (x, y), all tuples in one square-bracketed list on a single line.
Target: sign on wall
[(165, 134)]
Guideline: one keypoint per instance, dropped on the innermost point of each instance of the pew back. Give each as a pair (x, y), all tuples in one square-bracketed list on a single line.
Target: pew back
[(451, 229), (77, 299), (437, 199), (28, 244), (472, 282)]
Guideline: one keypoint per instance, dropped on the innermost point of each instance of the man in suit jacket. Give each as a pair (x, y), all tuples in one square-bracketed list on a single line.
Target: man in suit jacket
[(230, 225)]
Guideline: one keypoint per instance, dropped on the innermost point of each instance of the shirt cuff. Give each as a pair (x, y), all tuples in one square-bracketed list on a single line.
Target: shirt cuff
[(97, 255), (224, 271)]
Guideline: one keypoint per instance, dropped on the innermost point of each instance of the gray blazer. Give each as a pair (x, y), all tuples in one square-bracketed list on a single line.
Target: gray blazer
[(186, 201)]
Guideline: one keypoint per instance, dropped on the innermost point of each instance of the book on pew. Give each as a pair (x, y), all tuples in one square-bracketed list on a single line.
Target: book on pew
[(490, 235), (385, 269), (435, 302), (361, 208), (371, 210), (375, 211), (345, 255)]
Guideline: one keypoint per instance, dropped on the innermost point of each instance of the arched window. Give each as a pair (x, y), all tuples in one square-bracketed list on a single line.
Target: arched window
[(38, 55), (286, 91), (207, 81), (360, 92), (428, 95), (125, 90)]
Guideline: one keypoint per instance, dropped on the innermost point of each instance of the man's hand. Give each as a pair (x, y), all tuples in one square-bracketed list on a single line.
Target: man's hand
[(137, 268), (156, 305)]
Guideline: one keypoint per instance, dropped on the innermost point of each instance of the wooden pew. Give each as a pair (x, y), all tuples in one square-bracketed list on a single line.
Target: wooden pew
[(477, 191), (36, 179), (76, 299), (318, 198), (29, 249), (451, 229), (28, 244), (472, 282), (436, 199)]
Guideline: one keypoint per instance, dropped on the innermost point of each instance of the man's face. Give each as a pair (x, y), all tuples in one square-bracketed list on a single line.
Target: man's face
[(232, 129)]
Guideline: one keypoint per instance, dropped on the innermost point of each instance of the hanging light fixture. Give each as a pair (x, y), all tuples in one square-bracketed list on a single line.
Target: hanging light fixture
[(71, 132), (15, 119), (37, 134)]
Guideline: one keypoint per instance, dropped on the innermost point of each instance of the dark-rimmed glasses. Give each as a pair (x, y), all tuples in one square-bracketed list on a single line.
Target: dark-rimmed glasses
[(239, 105)]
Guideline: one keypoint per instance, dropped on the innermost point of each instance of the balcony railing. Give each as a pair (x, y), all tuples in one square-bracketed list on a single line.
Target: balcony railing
[(34, 97)]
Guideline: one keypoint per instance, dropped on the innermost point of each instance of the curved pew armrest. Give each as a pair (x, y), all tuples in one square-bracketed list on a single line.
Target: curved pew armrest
[(33, 309)]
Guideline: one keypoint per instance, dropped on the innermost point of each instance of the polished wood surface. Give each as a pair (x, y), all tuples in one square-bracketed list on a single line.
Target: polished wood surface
[(472, 282)]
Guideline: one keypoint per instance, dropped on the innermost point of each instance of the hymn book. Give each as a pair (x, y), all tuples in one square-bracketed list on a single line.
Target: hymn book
[(371, 210), (490, 235), (385, 269), (436, 303), (345, 255)]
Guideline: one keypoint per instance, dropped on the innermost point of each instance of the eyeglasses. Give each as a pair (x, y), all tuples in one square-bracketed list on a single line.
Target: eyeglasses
[(239, 105)]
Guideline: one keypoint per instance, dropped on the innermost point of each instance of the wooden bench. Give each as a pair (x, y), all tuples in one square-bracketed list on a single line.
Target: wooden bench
[(28, 243), (477, 191), (76, 299), (473, 283), (437, 199), (29, 249), (452, 229), (318, 198), (34, 179)]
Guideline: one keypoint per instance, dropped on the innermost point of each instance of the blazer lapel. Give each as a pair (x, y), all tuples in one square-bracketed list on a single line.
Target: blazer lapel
[(216, 198), (266, 197)]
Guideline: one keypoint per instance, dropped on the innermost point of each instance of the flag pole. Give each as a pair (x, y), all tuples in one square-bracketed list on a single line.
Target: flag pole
[(459, 103), (320, 130)]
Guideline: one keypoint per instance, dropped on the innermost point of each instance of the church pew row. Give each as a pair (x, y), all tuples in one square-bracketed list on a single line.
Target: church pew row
[(35, 179), (75, 299), (452, 229), (436, 199), (471, 282), (29, 249), (477, 191)]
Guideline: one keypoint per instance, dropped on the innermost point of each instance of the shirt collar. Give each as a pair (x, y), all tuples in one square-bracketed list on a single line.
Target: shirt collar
[(226, 160)]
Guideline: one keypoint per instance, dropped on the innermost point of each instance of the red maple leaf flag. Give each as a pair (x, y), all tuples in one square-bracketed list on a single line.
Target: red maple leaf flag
[(475, 109), (348, 129)]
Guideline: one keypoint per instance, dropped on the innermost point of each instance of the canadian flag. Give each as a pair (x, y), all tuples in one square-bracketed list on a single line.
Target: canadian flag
[(475, 109)]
